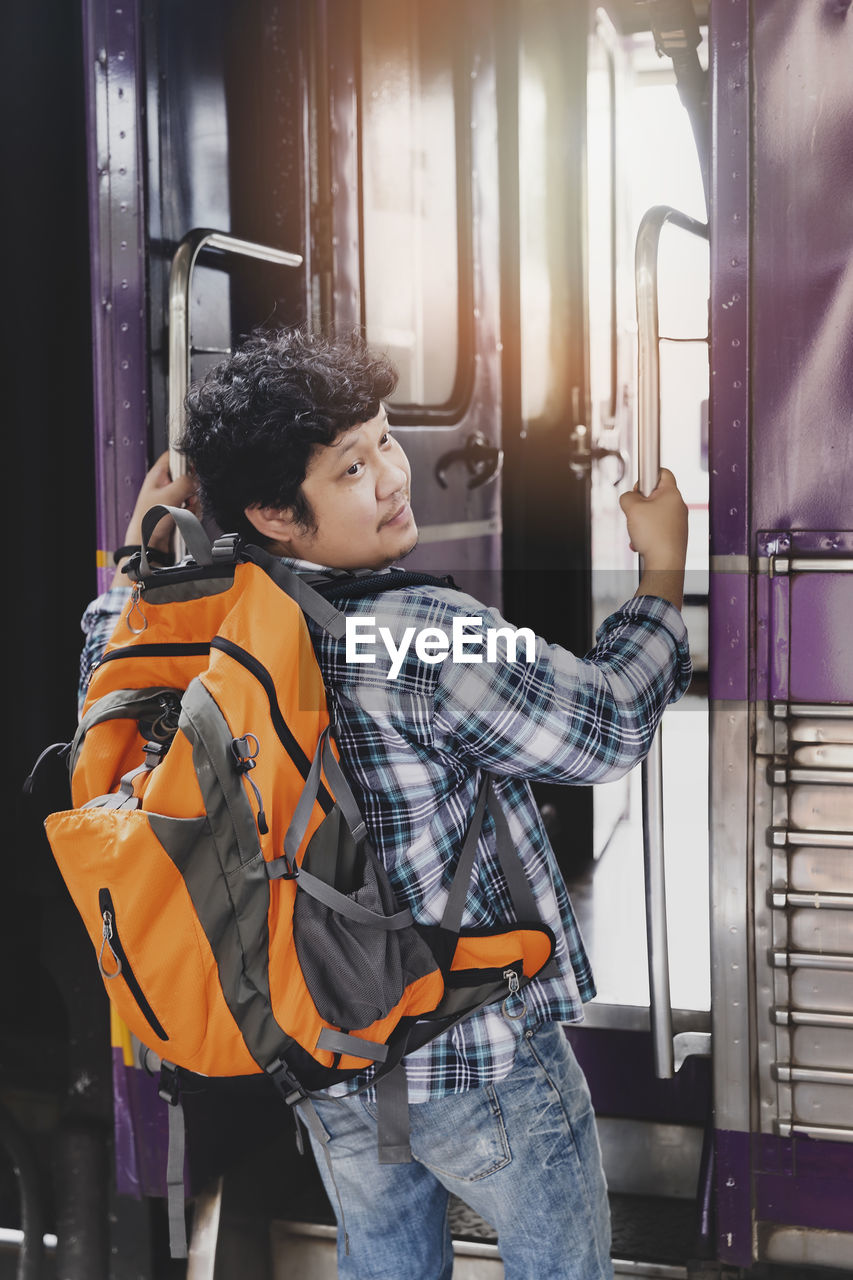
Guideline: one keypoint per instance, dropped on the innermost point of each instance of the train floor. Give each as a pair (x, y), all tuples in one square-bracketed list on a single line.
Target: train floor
[(651, 1238)]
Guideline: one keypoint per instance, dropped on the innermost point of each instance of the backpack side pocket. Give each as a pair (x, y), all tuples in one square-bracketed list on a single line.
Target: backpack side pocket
[(356, 971)]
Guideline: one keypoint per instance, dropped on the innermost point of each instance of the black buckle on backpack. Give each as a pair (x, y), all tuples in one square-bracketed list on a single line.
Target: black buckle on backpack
[(170, 1085), (286, 1083), (153, 754)]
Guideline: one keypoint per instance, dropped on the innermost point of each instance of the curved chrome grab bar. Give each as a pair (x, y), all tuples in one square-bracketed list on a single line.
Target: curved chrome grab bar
[(668, 1051), (180, 283)]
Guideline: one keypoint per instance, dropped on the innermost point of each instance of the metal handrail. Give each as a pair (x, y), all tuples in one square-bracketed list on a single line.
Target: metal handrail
[(810, 1018), (784, 899), (16, 1145), (832, 1133), (834, 961), (667, 1055), (782, 836), (781, 565), (180, 284)]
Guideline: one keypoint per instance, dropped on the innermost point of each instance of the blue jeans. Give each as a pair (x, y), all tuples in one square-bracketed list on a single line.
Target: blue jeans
[(522, 1153)]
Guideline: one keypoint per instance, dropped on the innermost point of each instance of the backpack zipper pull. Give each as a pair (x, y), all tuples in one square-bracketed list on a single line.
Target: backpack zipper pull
[(514, 993), (135, 607), (107, 941), (245, 751)]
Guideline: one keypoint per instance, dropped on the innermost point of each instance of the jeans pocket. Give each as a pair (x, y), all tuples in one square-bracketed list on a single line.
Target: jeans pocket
[(348, 1126), (462, 1136)]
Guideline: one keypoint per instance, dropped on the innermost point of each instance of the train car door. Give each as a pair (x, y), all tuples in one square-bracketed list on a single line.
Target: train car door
[(548, 475), (457, 235), (654, 1130), (408, 223), (641, 163)]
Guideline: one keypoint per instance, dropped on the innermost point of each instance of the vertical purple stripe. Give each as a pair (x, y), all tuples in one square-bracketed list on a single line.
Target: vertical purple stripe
[(151, 1130), (127, 1165), (141, 1131), (117, 253), (734, 1203), (729, 481), (730, 160), (94, 55)]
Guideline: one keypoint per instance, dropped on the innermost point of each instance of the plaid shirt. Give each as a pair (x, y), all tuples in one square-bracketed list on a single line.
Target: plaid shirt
[(415, 746)]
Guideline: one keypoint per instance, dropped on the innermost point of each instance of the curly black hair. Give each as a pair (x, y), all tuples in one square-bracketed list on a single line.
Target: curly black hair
[(254, 420)]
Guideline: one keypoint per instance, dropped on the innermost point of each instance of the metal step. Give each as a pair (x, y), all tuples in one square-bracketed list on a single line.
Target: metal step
[(652, 1238), (307, 1251)]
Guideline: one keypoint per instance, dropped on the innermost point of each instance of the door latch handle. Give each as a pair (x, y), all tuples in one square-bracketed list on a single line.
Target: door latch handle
[(483, 460), (582, 455)]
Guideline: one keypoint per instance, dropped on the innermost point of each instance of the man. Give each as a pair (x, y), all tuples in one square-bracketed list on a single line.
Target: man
[(290, 442)]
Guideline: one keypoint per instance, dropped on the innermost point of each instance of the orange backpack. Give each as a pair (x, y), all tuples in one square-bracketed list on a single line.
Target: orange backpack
[(242, 921)]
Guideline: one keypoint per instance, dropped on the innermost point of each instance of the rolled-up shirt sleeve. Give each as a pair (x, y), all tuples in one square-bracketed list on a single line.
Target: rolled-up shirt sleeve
[(560, 718), (97, 625)]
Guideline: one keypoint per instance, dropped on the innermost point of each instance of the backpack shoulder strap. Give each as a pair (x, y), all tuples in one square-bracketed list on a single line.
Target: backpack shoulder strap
[(520, 891), (315, 594), (312, 604), (347, 586)]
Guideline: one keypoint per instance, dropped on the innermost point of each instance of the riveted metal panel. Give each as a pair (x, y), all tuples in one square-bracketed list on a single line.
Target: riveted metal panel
[(781, 675), (801, 264), (112, 52), (731, 719)]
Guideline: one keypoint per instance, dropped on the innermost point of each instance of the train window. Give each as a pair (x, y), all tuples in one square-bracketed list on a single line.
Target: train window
[(551, 106), (544, 200), (536, 277), (414, 285), (602, 231)]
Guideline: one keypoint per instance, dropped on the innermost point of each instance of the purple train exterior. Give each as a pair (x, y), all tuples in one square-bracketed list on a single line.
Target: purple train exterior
[(781, 678), (776, 1179)]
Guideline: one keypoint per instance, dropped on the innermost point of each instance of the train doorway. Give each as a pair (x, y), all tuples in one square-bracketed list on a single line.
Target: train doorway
[(641, 154)]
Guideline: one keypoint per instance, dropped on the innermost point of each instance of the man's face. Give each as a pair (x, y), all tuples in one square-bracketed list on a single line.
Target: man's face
[(358, 489)]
